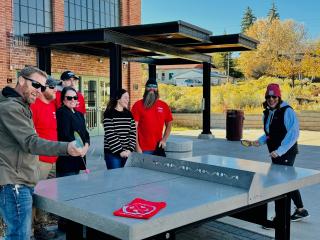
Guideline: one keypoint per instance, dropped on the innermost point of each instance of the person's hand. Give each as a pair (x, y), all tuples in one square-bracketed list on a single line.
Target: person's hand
[(274, 154), (124, 154), (128, 152), (162, 144), (73, 150), (255, 143), (138, 149), (85, 150)]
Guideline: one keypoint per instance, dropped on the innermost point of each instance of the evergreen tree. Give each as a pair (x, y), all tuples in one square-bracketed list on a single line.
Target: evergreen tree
[(273, 13), (248, 19)]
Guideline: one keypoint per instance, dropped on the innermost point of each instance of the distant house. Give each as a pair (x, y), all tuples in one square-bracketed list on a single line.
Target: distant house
[(187, 75)]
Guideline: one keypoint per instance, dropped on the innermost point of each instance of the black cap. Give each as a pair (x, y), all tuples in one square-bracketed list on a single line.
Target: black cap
[(152, 81), (51, 81), (67, 75)]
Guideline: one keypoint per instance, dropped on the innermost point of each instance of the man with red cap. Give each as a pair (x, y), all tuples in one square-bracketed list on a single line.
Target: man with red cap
[(281, 127), (151, 115)]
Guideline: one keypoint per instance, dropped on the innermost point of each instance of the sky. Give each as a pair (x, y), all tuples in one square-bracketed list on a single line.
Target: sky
[(225, 16)]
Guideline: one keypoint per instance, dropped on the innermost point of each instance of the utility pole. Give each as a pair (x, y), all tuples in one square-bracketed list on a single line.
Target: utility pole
[(228, 65)]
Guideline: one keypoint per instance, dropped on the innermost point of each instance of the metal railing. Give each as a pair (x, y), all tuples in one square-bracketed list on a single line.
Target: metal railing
[(94, 117)]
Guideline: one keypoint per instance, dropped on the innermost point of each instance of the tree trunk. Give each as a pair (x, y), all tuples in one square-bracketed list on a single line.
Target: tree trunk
[(292, 79)]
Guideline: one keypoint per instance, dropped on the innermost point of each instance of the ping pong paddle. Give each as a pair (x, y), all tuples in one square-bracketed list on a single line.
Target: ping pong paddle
[(246, 143), (78, 140), (79, 144)]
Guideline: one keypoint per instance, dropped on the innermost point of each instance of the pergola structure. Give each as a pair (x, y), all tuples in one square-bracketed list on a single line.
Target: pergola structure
[(168, 43)]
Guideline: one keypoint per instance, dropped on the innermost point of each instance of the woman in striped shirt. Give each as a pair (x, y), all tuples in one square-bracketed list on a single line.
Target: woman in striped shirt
[(120, 131)]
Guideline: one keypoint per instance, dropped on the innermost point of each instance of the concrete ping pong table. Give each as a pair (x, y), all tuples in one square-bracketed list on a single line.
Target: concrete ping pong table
[(195, 190)]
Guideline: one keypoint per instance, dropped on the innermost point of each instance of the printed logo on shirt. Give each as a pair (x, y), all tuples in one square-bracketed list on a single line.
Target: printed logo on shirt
[(160, 109)]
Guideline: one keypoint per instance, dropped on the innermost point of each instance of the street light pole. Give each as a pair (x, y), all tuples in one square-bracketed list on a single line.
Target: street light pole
[(228, 66)]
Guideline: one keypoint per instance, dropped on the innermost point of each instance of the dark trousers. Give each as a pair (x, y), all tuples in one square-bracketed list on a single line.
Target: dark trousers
[(73, 230), (288, 160)]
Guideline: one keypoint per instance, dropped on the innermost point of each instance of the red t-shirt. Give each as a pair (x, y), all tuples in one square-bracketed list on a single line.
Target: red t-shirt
[(44, 118), (150, 123), (81, 107)]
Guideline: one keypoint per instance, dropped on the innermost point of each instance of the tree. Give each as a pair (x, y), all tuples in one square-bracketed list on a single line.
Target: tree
[(248, 19), (281, 43), (311, 61), (273, 13), (225, 62)]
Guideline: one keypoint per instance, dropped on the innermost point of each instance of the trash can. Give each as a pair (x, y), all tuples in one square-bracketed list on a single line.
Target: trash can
[(234, 124)]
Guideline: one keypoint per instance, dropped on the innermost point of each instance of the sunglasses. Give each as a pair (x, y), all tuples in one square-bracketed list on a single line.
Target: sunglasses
[(35, 84), (52, 87), (69, 98), (269, 96)]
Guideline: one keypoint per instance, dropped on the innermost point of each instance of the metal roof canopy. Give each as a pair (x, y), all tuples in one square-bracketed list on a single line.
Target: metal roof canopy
[(165, 43)]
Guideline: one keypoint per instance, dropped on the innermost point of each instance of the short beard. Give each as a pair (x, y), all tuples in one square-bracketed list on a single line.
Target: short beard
[(49, 96), (149, 98), (26, 94)]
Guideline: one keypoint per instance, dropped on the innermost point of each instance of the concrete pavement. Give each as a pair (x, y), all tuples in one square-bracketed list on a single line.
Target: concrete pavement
[(309, 157)]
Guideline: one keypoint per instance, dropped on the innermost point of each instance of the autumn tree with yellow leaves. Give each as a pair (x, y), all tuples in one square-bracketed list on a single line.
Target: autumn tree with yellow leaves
[(281, 45), (311, 61)]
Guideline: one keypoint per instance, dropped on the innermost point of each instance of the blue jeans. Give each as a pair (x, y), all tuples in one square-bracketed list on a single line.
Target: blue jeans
[(16, 210), (148, 152), (114, 161)]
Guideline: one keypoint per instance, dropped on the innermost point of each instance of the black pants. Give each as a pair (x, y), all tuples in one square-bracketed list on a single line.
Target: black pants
[(288, 160), (73, 230)]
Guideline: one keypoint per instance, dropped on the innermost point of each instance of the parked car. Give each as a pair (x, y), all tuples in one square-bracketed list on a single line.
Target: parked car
[(189, 83)]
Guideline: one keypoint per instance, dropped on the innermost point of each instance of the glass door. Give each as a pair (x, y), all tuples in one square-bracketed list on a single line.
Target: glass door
[(103, 96), (96, 92)]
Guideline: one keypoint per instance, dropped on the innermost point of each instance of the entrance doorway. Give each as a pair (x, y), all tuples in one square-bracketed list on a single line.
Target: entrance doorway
[(96, 92)]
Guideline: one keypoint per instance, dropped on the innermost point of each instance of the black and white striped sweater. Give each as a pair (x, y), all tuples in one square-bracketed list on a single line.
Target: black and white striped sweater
[(119, 131)]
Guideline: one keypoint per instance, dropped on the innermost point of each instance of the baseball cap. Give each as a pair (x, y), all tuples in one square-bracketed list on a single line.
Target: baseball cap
[(67, 75), (51, 81), (152, 83)]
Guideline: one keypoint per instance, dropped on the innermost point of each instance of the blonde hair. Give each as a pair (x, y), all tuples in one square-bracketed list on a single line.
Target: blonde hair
[(29, 70)]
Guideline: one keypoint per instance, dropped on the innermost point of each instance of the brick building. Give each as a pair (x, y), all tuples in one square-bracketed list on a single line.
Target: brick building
[(18, 17)]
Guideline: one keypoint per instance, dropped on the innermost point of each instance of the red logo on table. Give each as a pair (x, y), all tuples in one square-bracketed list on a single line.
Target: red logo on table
[(140, 208)]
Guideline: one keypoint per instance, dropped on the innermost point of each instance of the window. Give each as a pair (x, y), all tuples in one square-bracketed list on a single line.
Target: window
[(163, 75), (170, 76), (32, 16), (88, 14)]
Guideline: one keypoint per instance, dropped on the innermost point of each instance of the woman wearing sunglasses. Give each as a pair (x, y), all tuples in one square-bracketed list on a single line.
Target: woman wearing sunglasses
[(281, 127), (70, 121), (120, 131)]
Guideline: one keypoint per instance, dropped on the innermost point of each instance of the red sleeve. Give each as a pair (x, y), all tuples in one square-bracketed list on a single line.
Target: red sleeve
[(82, 106), (135, 112), (168, 113), (58, 99)]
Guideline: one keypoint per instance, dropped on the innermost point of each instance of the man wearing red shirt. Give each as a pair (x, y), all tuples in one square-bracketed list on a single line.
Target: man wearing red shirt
[(69, 79), (45, 123), (151, 115)]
